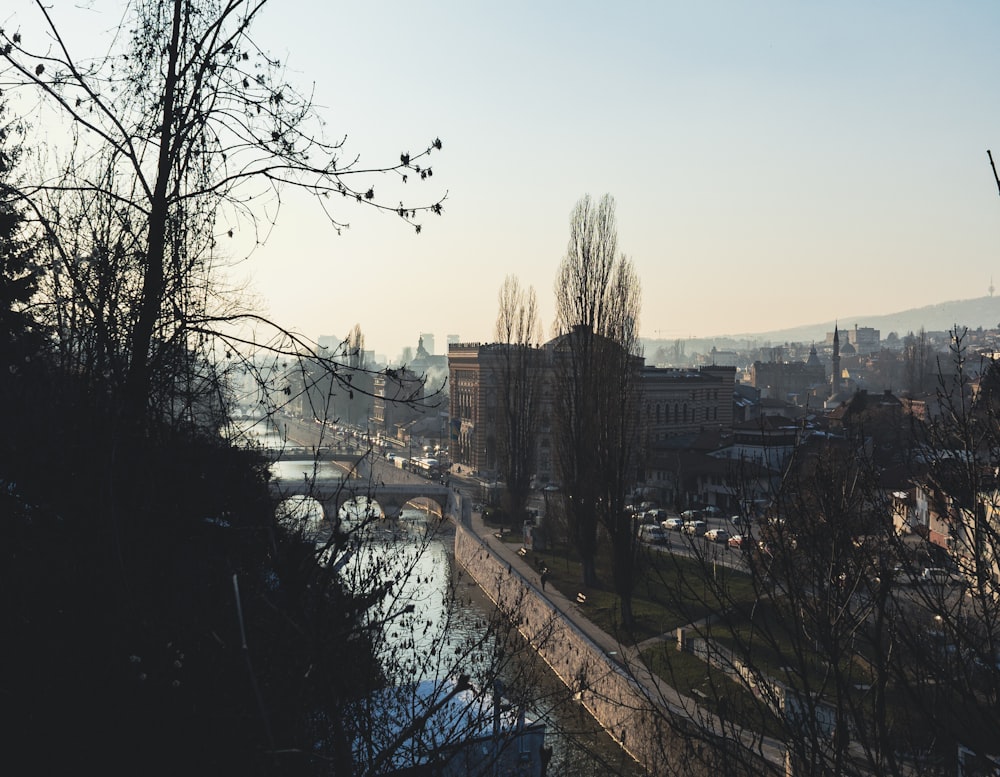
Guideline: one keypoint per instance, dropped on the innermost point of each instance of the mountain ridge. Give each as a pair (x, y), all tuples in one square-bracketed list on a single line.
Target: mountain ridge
[(940, 317)]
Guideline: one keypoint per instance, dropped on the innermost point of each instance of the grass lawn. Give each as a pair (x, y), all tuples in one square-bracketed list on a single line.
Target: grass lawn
[(670, 591), (711, 688), (674, 590)]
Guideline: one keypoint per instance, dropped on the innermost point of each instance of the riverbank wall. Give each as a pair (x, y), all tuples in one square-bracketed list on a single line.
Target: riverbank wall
[(645, 727)]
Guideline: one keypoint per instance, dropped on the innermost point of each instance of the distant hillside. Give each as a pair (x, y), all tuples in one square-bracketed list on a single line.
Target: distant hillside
[(972, 313)]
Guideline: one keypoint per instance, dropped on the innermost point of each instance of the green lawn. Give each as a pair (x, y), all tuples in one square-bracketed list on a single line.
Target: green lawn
[(673, 591), (670, 591)]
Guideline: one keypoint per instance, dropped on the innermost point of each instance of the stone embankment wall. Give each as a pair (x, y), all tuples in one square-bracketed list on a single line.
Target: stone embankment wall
[(646, 728)]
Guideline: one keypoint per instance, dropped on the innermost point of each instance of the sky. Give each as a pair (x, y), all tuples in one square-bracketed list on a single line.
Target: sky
[(774, 164)]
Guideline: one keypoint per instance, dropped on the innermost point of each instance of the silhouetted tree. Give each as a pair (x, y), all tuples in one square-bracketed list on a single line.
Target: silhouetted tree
[(181, 135), (596, 404), (519, 376), (829, 647), (19, 272), (919, 364)]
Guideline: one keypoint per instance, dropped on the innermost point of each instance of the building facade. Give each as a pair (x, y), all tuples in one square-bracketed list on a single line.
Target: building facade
[(678, 402), (398, 401), (673, 403), (473, 370)]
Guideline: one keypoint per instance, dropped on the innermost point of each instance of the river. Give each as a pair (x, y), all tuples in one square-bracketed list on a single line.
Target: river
[(454, 627)]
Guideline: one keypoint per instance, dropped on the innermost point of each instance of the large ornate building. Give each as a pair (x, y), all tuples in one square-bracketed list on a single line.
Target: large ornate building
[(674, 402), (474, 379)]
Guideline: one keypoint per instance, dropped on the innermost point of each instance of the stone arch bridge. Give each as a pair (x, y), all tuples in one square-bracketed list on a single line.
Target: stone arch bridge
[(333, 493), (391, 497)]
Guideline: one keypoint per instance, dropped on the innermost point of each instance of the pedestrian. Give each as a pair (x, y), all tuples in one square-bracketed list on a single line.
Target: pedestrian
[(544, 577)]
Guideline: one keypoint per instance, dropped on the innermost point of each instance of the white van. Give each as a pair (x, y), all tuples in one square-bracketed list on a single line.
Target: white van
[(653, 533)]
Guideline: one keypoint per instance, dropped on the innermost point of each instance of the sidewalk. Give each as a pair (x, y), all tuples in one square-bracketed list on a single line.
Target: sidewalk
[(626, 658), (570, 609)]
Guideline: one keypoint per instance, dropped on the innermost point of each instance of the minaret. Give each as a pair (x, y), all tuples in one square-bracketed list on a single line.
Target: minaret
[(835, 378)]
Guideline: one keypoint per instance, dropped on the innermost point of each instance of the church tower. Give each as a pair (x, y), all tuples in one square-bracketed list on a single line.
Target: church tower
[(835, 378)]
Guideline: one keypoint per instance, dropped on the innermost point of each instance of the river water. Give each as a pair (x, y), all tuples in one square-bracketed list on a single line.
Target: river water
[(453, 627)]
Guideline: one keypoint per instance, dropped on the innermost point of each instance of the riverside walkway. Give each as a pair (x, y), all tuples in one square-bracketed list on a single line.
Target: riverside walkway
[(626, 660)]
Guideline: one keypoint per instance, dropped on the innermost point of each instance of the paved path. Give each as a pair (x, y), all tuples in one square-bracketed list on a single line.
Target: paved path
[(628, 658)]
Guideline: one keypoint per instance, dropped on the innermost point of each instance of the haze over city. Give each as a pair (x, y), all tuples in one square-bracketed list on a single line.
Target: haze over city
[(773, 165), (748, 527)]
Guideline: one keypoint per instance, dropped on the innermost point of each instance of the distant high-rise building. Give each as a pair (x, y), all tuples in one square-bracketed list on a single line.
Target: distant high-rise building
[(865, 339), (453, 339), (428, 342)]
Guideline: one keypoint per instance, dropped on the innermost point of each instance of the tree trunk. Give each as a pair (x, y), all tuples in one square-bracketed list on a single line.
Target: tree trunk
[(137, 383)]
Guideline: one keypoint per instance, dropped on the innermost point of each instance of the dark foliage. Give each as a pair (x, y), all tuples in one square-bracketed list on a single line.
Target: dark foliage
[(124, 643)]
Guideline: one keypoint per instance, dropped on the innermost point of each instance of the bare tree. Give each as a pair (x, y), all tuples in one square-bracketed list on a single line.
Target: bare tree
[(855, 631), (597, 311), (182, 135), (355, 346), (620, 442), (519, 373), (920, 365)]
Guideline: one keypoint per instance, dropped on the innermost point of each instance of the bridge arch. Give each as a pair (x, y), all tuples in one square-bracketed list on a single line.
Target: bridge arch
[(391, 497)]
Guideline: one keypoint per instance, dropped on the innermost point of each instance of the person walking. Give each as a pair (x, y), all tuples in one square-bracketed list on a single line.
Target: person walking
[(544, 577)]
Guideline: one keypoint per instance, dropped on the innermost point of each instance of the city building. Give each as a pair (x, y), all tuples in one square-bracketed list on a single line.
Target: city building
[(398, 402), (795, 382), (679, 402), (674, 403), (474, 380), (426, 343)]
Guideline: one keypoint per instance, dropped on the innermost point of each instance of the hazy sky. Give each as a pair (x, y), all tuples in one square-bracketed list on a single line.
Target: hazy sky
[(773, 163)]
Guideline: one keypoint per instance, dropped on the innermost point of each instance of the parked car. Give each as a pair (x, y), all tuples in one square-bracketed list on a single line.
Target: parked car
[(673, 524), (654, 534), (695, 528), (656, 516), (935, 575), (898, 574), (690, 515), (712, 511), (717, 535), (736, 541)]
